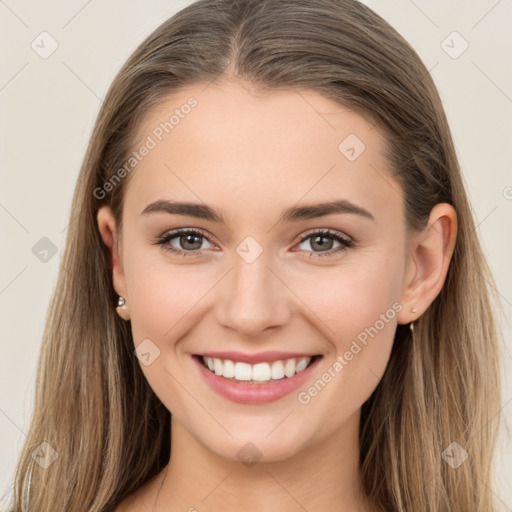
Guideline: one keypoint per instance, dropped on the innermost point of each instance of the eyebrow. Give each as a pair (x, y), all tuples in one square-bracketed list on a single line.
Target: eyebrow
[(293, 214)]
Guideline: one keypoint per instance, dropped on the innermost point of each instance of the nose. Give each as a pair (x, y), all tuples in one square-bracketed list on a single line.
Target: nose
[(253, 298)]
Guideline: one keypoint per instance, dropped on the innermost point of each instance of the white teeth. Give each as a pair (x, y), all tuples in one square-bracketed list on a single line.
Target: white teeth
[(301, 365), (277, 370), (260, 372), (217, 366), (289, 368), (228, 369), (242, 370)]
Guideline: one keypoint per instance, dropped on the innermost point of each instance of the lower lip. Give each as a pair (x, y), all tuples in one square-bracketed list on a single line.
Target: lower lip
[(243, 393)]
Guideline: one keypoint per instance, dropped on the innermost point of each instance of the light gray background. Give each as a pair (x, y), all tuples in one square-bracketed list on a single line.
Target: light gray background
[(49, 106)]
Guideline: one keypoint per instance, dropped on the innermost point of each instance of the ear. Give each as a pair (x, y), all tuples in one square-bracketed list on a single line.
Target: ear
[(107, 228), (430, 253)]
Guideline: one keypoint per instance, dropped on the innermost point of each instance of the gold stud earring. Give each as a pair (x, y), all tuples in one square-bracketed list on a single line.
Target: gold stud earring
[(413, 310)]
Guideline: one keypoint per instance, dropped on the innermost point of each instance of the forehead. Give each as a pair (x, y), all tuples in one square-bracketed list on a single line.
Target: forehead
[(276, 118), (227, 141)]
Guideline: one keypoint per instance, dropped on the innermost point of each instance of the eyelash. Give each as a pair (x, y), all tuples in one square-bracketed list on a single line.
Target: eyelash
[(345, 242)]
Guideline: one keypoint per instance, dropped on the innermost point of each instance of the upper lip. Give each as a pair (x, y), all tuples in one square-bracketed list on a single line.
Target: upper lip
[(260, 357)]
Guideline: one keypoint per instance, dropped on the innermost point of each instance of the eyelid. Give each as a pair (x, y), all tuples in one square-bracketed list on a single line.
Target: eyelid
[(328, 231), (179, 231)]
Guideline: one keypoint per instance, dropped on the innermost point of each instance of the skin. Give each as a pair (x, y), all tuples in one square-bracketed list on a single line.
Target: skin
[(251, 156)]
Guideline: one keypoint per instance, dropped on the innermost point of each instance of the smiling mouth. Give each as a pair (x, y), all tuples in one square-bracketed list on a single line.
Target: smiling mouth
[(259, 373)]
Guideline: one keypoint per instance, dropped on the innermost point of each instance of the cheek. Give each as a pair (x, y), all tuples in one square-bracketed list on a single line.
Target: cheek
[(357, 308), (352, 296), (162, 295), (165, 305)]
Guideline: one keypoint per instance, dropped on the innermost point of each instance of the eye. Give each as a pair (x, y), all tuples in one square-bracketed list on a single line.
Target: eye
[(189, 241), (323, 240)]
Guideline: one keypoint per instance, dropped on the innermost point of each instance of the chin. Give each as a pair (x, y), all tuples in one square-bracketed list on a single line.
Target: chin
[(258, 445)]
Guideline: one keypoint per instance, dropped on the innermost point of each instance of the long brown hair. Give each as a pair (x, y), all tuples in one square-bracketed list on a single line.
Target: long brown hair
[(442, 384)]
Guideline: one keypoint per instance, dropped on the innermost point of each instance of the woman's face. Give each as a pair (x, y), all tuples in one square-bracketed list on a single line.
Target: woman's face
[(266, 269)]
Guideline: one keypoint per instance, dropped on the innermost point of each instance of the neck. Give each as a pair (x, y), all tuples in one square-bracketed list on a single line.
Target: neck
[(324, 476)]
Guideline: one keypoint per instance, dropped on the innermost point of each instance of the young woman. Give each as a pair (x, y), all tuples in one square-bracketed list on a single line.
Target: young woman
[(272, 295)]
